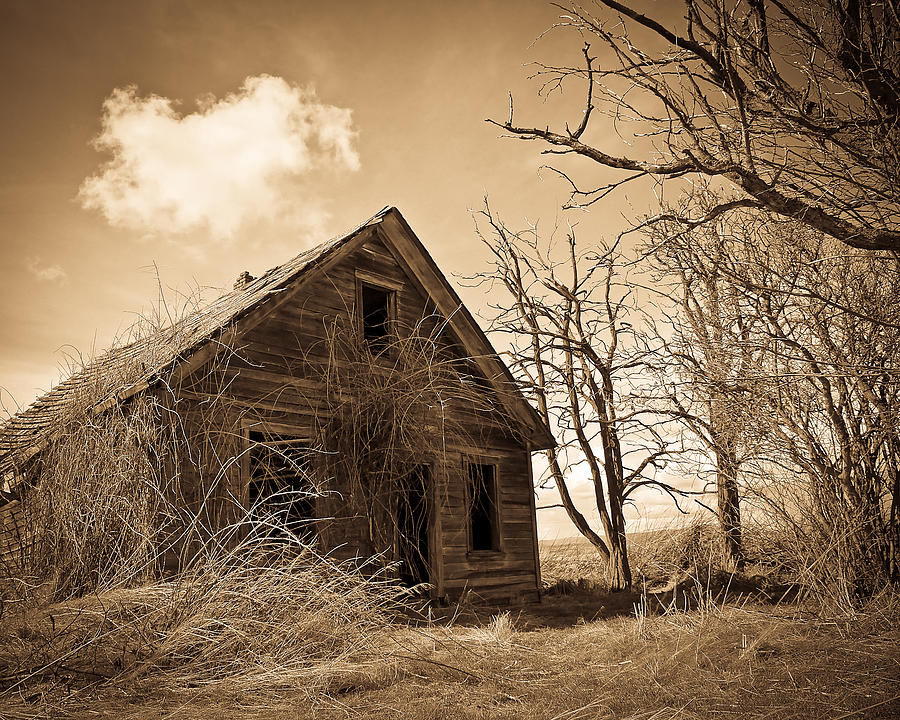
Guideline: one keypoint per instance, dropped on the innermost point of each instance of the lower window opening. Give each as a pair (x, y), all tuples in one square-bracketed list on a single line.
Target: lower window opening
[(483, 526), (281, 490)]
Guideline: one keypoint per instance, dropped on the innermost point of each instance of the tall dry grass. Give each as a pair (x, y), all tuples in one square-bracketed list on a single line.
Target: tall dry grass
[(254, 604), (792, 563), (269, 612), (95, 502), (681, 551), (838, 554)]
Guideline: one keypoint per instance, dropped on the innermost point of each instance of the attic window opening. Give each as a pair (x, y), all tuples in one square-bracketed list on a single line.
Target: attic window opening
[(377, 310)]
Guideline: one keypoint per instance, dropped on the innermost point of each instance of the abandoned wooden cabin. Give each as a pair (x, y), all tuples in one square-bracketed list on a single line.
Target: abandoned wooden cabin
[(351, 377)]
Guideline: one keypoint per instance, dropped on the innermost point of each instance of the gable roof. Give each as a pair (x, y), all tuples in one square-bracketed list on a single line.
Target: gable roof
[(191, 341)]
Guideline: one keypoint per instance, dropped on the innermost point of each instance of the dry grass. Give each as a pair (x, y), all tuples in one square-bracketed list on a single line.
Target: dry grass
[(268, 613), (735, 662), (657, 558), (295, 638), (686, 556)]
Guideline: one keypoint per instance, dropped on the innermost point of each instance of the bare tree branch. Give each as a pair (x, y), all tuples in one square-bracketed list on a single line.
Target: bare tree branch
[(797, 106)]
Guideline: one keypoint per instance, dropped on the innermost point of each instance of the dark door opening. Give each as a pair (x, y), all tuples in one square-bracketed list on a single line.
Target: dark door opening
[(412, 528)]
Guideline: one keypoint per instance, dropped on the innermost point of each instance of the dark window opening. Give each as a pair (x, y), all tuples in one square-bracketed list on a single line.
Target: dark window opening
[(483, 528), (280, 484), (376, 315)]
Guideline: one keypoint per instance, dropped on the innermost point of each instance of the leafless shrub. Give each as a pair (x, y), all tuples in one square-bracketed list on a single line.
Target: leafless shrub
[(253, 604), (809, 335), (387, 410), (825, 548), (96, 501)]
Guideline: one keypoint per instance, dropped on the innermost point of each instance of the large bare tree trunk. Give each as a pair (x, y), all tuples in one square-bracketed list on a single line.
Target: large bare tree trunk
[(729, 508), (618, 567)]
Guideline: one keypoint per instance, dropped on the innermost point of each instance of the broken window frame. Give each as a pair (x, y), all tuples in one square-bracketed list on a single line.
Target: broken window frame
[(301, 523), (381, 341)]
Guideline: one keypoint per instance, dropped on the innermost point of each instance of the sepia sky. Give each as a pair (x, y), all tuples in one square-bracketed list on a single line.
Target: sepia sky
[(172, 145)]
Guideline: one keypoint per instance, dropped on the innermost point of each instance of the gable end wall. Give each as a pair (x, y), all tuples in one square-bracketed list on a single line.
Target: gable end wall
[(271, 382)]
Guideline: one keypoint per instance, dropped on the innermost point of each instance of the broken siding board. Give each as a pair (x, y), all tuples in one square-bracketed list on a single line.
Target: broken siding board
[(377, 248), (455, 568), (375, 264), (294, 394), (491, 580), (281, 407), (271, 379), (457, 550), (276, 362), (512, 515)]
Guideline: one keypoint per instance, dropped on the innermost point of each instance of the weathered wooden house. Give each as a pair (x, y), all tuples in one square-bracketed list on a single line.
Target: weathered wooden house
[(266, 382)]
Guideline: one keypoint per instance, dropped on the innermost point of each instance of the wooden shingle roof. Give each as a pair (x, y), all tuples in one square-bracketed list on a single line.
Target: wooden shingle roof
[(133, 367), (127, 370)]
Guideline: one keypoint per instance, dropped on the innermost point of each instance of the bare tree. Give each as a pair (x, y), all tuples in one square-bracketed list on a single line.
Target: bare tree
[(708, 351), (832, 351), (796, 103), (814, 339), (571, 323)]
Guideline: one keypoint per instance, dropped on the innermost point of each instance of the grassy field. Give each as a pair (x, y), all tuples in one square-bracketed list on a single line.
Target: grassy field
[(670, 650)]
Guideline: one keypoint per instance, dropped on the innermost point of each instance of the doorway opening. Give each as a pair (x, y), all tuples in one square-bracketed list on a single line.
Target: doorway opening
[(413, 526)]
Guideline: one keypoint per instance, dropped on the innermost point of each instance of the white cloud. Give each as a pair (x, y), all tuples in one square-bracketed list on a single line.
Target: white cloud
[(235, 160), (46, 273)]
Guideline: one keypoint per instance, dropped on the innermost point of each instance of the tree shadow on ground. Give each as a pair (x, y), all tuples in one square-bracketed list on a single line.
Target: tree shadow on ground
[(569, 604)]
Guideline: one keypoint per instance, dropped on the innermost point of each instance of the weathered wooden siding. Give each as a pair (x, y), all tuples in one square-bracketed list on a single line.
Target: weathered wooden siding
[(511, 570), (13, 538), (273, 379)]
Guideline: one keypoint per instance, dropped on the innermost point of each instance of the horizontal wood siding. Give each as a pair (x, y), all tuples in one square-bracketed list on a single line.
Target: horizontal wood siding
[(491, 574), (273, 379)]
